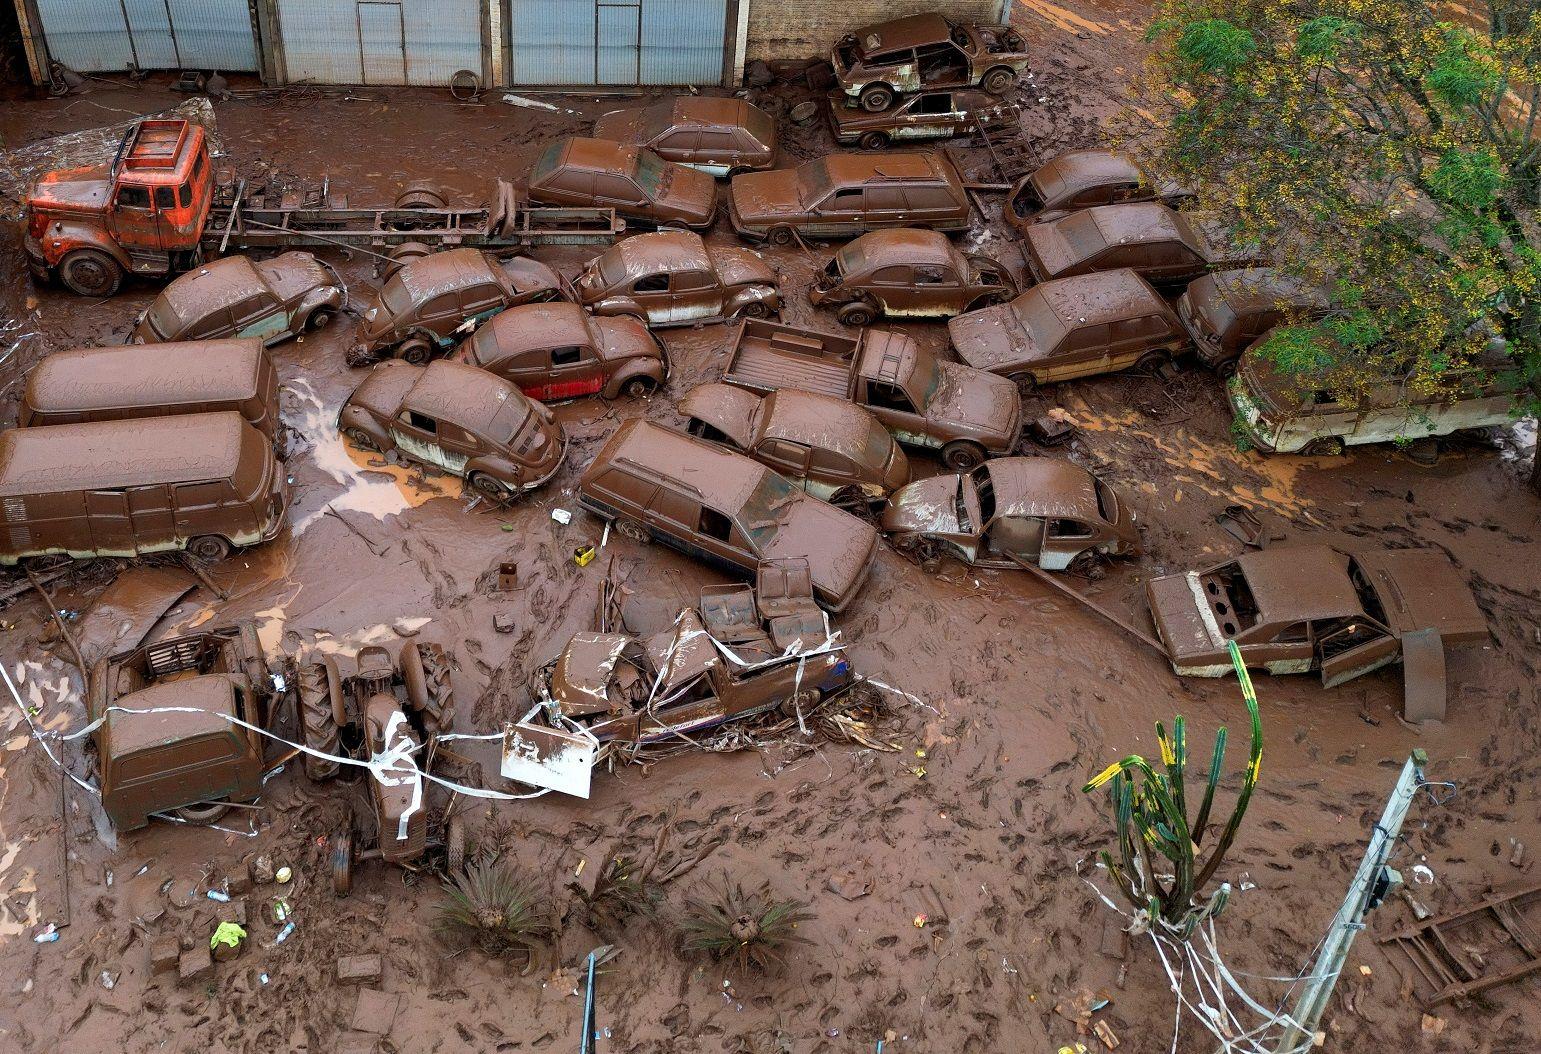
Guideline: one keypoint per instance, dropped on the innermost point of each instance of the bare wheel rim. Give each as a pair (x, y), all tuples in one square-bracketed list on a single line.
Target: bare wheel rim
[(998, 82), (781, 236), (491, 487), (857, 316), (360, 438), (961, 457), (754, 309), (637, 387), (203, 812), (210, 548)]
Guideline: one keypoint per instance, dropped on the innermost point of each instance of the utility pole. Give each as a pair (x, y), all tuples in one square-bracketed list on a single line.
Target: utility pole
[(1373, 882)]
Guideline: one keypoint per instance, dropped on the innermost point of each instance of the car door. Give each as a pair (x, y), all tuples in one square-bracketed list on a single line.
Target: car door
[(899, 413), (439, 316), (112, 531), (885, 206), (789, 459), (1083, 353), (719, 539), (1018, 536), (133, 218), (1065, 538), (893, 287), (678, 145), (1169, 261), (1128, 339), (478, 303), (456, 447), (1347, 648), (651, 292), (416, 435), (574, 371), (260, 315), (840, 212), (931, 116), (150, 509), (938, 289), (694, 294), (617, 192)]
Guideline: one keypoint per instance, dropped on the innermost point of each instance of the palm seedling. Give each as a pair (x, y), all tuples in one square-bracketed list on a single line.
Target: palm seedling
[(490, 906), (1151, 817), (751, 928)]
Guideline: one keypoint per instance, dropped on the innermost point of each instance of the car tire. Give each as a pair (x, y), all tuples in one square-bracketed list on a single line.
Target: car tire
[(1152, 361), (493, 488), (857, 314), (1226, 369), (754, 309), (875, 98), (781, 236), (961, 455), (805, 698), (90, 272), (1024, 381), (628, 528), (999, 81), (414, 351), (455, 844), (208, 548), (342, 862), (873, 140), (639, 387), (1325, 446), (202, 814), (360, 438), (318, 319)]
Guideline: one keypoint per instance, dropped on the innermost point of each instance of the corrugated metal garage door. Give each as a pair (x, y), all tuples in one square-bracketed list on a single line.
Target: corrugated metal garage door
[(380, 41), (101, 35), (617, 41)]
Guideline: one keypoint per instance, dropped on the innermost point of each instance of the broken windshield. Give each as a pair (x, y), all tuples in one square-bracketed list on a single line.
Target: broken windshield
[(762, 510)]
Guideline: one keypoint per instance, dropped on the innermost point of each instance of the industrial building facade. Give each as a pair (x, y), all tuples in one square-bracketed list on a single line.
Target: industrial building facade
[(426, 42)]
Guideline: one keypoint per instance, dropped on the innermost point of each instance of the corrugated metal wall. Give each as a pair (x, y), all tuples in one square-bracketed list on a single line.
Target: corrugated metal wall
[(617, 41), (380, 41), (105, 35)]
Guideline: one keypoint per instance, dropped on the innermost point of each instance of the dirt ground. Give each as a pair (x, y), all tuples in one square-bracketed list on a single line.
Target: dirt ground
[(1013, 697)]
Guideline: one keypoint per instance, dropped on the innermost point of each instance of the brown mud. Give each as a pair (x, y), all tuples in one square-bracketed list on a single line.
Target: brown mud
[(977, 822)]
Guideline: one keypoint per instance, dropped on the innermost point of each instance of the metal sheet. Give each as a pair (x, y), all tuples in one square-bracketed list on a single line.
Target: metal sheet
[(617, 42), (150, 23), (320, 41), (214, 34), (552, 41), (617, 39), (94, 35), (382, 51), (682, 41), (1423, 676), (443, 36)]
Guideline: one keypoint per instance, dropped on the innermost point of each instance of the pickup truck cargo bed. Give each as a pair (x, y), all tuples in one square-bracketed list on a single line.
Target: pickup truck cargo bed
[(767, 356)]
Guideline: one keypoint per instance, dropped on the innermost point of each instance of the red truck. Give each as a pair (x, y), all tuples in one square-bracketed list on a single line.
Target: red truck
[(925, 401), (156, 210)]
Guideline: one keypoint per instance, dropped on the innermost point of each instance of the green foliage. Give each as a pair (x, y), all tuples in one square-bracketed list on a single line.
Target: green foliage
[(1466, 179), (1322, 38), (1461, 74), (1215, 46), (752, 928), (491, 907)]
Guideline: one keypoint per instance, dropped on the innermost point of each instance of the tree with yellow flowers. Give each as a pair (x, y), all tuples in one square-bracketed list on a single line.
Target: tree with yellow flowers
[(1386, 149)]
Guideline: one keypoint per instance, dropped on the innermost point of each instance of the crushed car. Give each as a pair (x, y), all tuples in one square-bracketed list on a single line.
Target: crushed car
[(168, 743), (1071, 327), (714, 135), (878, 62), (634, 181), (1298, 608), (1082, 179), (673, 278), (1150, 238), (239, 297), (909, 273), (1226, 312), (433, 301), (843, 195), (1014, 510), (559, 351), (831, 447), (928, 115), (457, 419), (723, 508)]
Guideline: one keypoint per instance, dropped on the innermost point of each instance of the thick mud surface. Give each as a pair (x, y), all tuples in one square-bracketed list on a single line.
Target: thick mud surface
[(1013, 697)]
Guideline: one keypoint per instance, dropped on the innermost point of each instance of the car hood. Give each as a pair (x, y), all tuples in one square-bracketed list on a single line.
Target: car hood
[(1179, 620), (623, 126), (530, 277), (1049, 254), (837, 546), (927, 506), (689, 195), (1422, 589), (991, 338), (72, 188), (739, 266), (976, 400), (624, 338), (766, 195), (293, 274)]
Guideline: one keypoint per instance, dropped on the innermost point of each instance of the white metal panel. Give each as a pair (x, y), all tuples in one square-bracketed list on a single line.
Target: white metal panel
[(617, 41), (86, 35), (320, 41), (443, 37), (682, 41), (552, 41), (382, 53), (214, 34), (150, 24)]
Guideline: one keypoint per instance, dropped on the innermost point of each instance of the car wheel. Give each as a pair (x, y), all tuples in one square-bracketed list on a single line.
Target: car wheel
[(857, 314), (873, 140), (209, 548), (638, 387), (633, 530), (1089, 564), (360, 438), (318, 722), (960, 455), (318, 319), (1326, 446), (342, 863), (1226, 369), (805, 699), (876, 97), (493, 488), (1025, 382), (91, 272), (754, 309), (202, 814), (1151, 361), (999, 81), (415, 351), (780, 236)]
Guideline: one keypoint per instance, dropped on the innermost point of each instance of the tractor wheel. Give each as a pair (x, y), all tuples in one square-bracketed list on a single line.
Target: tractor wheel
[(342, 862), (318, 721), (90, 272), (441, 693)]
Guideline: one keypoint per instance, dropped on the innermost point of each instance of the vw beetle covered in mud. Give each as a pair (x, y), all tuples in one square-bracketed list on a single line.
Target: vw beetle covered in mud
[(673, 278), (1083, 179), (239, 297), (390, 714), (1011, 511), (559, 351), (192, 760), (909, 273)]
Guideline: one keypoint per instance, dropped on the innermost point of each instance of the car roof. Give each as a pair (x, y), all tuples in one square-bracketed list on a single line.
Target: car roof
[(863, 168), (1043, 487), (908, 32), (710, 111), (463, 395), (598, 155), (1257, 288), (1104, 296), (1141, 221), (662, 251), (555, 324), (208, 696), (723, 478), (444, 272), (104, 455), (1292, 583), (903, 245), (147, 374), (821, 421), (1075, 169), (216, 284)]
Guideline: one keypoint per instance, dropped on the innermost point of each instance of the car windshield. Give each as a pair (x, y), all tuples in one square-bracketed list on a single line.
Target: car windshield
[(925, 380), (984, 487), (612, 270), (813, 181), (1042, 323), (850, 259), (880, 447), (1107, 504), (547, 162), (1082, 235), (762, 510), (163, 318), (395, 297), (652, 173)]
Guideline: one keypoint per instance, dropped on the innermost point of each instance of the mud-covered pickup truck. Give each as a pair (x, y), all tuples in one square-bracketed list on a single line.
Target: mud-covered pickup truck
[(965, 413)]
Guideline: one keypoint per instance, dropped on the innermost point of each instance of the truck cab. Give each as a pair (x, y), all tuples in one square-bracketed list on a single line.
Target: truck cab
[(143, 213)]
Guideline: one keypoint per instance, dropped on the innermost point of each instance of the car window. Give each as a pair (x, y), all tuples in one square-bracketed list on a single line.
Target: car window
[(1061, 528), (714, 524), (941, 102), (930, 275), (897, 275), (617, 187), (834, 464), (651, 283), (566, 356), (132, 197), (212, 324), (688, 281), (675, 507), (252, 306), (928, 197), (165, 198), (443, 304), (185, 195), (1089, 338), (889, 397), (889, 58), (1129, 329), (477, 297), (844, 200), (1294, 633), (419, 421), (678, 139), (200, 495), (888, 198), (786, 453), (722, 140), (572, 181)]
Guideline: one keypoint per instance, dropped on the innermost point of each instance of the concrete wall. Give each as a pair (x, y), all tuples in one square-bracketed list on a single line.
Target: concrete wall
[(792, 29)]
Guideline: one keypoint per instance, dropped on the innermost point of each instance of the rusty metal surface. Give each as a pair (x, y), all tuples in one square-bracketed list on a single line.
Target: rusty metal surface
[(128, 609)]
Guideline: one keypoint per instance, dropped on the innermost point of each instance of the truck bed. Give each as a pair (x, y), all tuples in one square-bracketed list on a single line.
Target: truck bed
[(767, 356)]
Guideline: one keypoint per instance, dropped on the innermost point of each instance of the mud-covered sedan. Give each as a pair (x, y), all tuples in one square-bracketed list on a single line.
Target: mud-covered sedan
[(673, 278), (634, 181), (558, 351), (908, 273)]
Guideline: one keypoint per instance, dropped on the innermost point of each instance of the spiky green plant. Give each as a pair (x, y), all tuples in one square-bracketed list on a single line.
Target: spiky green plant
[(490, 906), (1150, 814), (752, 928)]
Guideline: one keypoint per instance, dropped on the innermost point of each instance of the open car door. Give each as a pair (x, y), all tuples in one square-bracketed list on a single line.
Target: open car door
[(1355, 649)]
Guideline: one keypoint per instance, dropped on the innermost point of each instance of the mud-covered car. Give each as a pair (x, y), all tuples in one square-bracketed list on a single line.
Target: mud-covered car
[(843, 195), (673, 278), (1226, 312), (1148, 237), (559, 351), (459, 419), (1082, 179), (240, 297), (928, 115), (1013, 510), (723, 508), (190, 761), (831, 447), (433, 301), (908, 273), (1298, 608), (880, 61), (715, 135), (1071, 327), (634, 181)]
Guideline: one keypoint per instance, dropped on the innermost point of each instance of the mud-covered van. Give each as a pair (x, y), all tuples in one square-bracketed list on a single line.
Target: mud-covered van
[(136, 381), (203, 482)]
